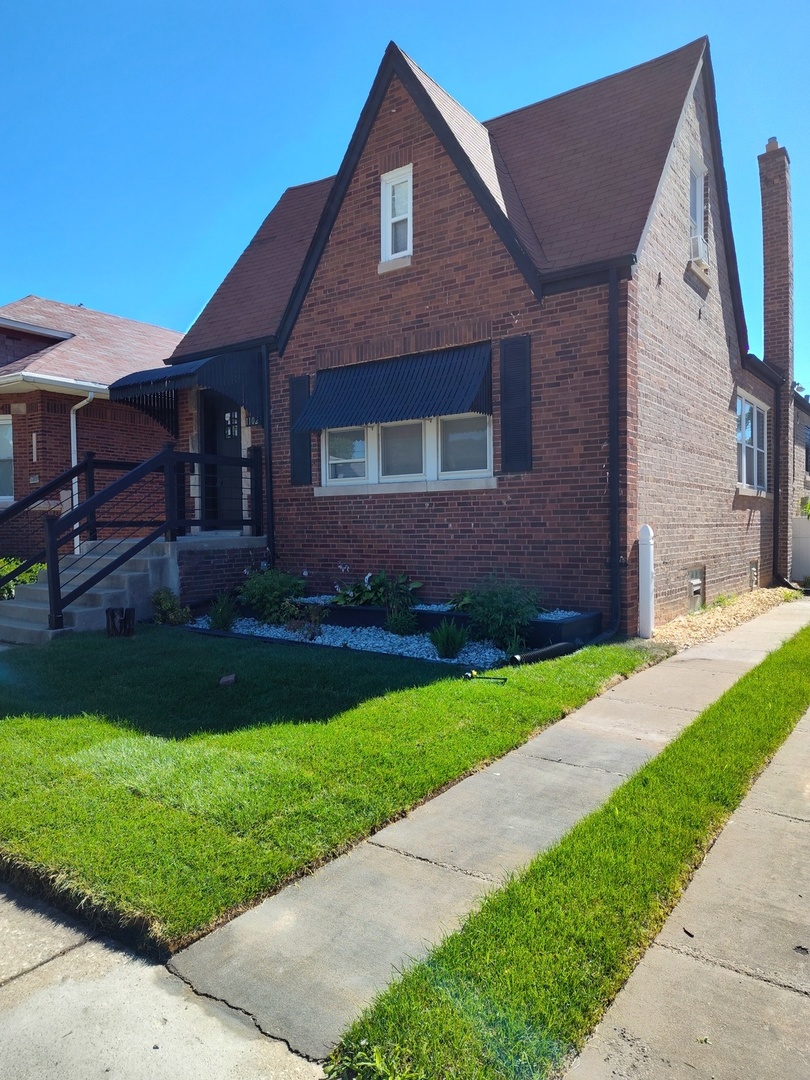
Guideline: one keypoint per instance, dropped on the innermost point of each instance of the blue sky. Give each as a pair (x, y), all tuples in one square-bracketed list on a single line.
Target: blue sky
[(143, 143)]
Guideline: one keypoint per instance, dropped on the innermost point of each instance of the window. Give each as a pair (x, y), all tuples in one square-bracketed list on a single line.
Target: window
[(698, 248), (396, 195), (6, 460), (807, 449), (752, 443), (441, 448), (346, 454)]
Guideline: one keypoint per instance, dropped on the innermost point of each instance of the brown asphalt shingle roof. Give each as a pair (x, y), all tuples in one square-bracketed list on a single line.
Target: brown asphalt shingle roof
[(574, 177), (249, 303), (102, 347)]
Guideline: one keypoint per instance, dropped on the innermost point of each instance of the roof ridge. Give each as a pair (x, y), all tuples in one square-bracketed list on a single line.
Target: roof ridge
[(703, 41)]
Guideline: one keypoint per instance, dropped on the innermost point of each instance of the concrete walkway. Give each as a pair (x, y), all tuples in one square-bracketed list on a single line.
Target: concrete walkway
[(724, 992), (302, 964)]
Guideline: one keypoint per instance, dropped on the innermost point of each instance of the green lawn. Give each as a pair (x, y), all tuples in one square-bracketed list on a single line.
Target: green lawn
[(142, 793), (522, 983)]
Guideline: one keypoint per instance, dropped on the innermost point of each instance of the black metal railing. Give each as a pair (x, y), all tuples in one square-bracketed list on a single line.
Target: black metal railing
[(170, 495), (83, 475)]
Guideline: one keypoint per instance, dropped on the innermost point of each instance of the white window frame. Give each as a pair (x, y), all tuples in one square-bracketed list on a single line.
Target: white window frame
[(387, 219), (370, 458), (697, 222), (6, 500), (760, 409), (431, 457)]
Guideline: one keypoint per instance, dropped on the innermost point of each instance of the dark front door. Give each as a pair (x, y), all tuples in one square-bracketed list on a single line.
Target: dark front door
[(222, 484)]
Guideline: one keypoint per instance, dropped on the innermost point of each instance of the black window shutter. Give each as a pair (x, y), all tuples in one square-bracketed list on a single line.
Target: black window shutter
[(300, 441), (516, 404)]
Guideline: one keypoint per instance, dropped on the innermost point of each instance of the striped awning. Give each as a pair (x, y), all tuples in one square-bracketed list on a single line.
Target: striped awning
[(406, 388)]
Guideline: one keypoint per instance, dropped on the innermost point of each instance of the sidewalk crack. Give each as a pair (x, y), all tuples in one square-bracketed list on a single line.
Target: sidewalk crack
[(577, 764), (238, 1009), (726, 966), (433, 862)]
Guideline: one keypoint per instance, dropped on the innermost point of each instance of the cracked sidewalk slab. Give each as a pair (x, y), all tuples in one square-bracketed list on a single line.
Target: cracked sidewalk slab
[(89, 1010), (308, 959)]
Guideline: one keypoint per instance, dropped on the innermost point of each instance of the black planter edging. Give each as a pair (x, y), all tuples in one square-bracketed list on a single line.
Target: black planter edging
[(541, 631)]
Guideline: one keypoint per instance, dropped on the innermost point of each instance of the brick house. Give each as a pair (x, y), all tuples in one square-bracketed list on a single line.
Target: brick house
[(503, 347), (56, 364)]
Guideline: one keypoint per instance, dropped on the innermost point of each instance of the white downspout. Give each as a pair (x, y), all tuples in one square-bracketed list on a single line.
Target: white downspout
[(74, 460)]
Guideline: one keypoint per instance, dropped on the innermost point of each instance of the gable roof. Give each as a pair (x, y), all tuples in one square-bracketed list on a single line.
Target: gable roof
[(248, 305), (90, 346), (568, 185)]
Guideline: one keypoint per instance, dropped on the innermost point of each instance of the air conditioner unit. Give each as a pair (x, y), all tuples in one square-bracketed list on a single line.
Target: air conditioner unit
[(699, 252)]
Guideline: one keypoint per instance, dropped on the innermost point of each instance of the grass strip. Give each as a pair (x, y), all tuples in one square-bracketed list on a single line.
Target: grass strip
[(138, 791), (522, 983)]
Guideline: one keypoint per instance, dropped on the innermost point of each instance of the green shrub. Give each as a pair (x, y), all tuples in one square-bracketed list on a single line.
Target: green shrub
[(380, 590), (269, 592), (168, 609), (25, 578), (499, 612), (222, 615), (449, 639), (402, 621)]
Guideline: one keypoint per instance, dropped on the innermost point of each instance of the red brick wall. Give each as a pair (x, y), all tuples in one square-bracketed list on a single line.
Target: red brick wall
[(548, 527), (111, 430), (689, 371), (205, 573)]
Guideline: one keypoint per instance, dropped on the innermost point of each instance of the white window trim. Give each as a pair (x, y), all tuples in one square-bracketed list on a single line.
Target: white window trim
[(743, 487), (7, 500), (432, 476), (697, 228), (387, 181)]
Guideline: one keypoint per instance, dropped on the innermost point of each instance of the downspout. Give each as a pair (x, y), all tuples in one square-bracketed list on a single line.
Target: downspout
[(613, 459), (74, 460), (777, 478), (268, 458)]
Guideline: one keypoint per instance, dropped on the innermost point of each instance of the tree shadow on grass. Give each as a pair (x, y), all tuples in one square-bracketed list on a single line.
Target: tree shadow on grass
[(165, 681)]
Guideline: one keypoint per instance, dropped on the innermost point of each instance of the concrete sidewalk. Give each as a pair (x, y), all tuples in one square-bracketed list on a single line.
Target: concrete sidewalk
[(301, 965), (306, 961), (724, 991)]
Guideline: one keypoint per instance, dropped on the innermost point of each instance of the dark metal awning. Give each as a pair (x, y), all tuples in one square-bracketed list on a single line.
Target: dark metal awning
[(237, 375), (405, 388)]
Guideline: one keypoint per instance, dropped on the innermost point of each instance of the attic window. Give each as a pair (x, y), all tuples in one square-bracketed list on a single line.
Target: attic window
[(396, 223), (698, 247)]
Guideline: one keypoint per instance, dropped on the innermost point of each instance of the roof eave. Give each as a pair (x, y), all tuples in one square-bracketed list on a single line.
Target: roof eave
[(240, 346), (26, 381)]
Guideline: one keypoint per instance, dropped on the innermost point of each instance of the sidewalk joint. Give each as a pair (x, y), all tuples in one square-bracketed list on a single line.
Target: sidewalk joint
[(776, 813), (434, 862), (713, 962), (43, 963)]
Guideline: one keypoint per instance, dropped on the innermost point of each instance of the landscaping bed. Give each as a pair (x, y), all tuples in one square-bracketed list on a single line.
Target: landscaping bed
[(156, 803)]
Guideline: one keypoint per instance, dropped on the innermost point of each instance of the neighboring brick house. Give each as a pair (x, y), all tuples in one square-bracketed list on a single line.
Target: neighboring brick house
[(56, 364), (501, 348)]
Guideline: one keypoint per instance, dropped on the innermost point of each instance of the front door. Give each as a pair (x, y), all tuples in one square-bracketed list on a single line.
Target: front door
[(222, 484)]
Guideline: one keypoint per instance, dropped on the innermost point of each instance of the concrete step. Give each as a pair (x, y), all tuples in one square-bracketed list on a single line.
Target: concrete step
[(36, 615), (106, 594), (26, 633)]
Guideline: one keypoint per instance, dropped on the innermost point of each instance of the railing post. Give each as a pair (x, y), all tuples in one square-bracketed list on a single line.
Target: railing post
[(256, 490), (89, 492), (55, 618), (170, 493)]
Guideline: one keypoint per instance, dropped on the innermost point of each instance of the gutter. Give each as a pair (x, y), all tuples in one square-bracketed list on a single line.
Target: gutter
[(32, 381)]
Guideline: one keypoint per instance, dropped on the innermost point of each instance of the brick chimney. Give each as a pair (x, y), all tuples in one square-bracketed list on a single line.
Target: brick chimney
[(777, 243)]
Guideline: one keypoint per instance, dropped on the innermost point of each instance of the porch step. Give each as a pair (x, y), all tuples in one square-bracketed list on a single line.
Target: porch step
[(24, 620)]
